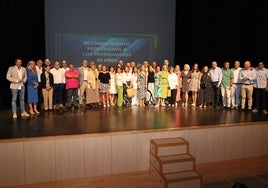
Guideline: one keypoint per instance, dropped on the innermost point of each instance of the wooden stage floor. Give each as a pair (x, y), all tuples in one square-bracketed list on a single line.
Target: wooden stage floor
[(114, 119)]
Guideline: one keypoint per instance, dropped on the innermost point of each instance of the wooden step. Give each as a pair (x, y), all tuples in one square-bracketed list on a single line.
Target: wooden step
[(186, 179), (169, 146), (173, 163)]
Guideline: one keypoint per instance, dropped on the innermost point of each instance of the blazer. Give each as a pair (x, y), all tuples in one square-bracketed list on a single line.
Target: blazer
[(13, 76), (44, 82), (81, 75)]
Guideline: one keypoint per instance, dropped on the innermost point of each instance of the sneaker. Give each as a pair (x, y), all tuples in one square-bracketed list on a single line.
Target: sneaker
[(104, 105), (15, 116), (255, 110), (24, 114), (264, 111)]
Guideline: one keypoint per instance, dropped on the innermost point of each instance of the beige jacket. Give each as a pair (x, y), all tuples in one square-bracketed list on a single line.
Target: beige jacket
[(92, 79), (13, 76)]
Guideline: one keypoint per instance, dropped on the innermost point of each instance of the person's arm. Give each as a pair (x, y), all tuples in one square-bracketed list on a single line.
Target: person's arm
[(220, 77)]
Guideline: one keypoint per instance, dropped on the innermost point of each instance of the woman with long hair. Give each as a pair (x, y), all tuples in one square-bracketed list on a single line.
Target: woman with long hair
[(32, 87), (194, 83), (186, 78)]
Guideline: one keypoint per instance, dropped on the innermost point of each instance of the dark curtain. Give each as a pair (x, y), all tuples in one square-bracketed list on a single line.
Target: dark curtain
[(221, 31), (205, 31), (22, 29)]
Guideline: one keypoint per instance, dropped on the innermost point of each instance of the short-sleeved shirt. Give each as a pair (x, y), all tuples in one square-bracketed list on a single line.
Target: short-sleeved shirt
[(227, 75), (104, 77)]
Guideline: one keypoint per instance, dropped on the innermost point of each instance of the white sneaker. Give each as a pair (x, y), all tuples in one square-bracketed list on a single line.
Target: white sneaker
[(264, 111), (15, 116), (25, 114)]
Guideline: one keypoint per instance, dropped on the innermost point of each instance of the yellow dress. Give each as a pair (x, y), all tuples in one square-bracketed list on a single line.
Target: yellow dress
[(164, 84)]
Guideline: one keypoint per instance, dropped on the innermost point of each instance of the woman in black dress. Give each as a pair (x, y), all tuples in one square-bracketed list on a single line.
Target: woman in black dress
[(206, 91)]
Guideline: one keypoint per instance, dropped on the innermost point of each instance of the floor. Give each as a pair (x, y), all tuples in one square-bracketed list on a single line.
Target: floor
[(259, 181), (251, 171), (87, 120)]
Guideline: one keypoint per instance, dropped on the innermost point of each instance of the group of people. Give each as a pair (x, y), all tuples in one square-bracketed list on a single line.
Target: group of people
[(65, 86)]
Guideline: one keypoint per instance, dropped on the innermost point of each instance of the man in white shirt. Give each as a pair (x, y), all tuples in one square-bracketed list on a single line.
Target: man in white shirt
[(83, 71), (236, 86), (64, 68), (57, 86), (17, 77), (248, 77), (216, 78)]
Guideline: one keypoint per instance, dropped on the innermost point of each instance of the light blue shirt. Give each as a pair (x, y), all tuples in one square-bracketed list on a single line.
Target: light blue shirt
[(250, 73), (216, 75)]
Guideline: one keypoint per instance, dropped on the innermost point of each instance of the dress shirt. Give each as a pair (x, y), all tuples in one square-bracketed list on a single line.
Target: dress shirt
[(216, 75), (57, 75), (250, 73), (236, 75), (261, 78)]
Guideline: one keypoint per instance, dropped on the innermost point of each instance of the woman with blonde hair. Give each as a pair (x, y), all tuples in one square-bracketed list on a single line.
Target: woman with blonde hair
[(186, 78), (32, 87), (92, 85)]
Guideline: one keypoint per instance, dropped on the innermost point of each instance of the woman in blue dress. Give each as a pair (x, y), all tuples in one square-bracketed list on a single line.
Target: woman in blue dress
[(32, 87)]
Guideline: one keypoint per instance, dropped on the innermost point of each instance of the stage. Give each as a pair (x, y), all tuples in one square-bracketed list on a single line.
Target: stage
[(80, 143), (115, 119)]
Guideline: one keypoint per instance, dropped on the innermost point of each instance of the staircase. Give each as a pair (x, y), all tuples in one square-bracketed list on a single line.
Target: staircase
[(172, 165)]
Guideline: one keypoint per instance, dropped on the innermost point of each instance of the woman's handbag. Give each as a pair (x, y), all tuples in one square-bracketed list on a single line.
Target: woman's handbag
[(130, 92)]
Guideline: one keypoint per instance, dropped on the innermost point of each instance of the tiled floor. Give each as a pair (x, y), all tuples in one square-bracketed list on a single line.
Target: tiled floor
[(260, 181)]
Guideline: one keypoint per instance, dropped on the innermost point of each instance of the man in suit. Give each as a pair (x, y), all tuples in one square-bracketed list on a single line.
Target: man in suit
[(17, 77), (83, 71)]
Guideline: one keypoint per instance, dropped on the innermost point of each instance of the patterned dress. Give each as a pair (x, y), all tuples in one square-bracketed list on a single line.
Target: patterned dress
[(205, 95), (185, 84), (141, 81), (194, 83), (157, 85)]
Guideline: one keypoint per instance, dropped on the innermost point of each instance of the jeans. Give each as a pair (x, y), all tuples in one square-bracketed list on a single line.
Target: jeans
[(15, 93)]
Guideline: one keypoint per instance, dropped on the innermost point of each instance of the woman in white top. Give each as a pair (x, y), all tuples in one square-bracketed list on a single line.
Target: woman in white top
[(172, 84), (113, 90)]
